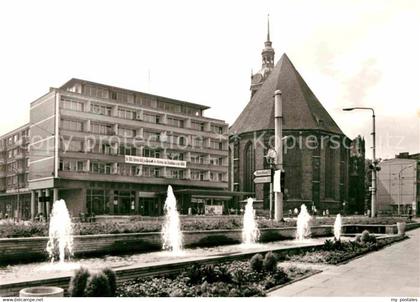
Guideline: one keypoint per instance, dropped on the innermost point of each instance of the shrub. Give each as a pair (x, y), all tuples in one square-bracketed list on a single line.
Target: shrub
[(214, 240), (112, 280), (256, 262), (239, 277), (222, 274), (98, 286), (234, 292), (194, 274), (358, 238), (366, 237), (209, 273), (270, 262), (78, 282), (218, 289), (328, 245), (270, 236), (280, 276)]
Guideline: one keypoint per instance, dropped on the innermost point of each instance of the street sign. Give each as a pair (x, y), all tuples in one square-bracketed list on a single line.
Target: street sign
[(266, 172), (276, 181), (262, 180)]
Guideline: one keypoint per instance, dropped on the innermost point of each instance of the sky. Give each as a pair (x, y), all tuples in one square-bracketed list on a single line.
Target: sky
[(351, 53)]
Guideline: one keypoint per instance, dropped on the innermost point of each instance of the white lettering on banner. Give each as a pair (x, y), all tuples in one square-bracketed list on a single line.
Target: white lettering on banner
[(139, 160), (213, 209)]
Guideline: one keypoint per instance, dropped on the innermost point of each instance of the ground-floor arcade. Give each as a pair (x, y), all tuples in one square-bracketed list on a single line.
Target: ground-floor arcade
[(99, 198)]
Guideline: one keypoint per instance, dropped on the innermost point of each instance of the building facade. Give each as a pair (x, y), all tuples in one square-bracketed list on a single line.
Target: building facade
[(399, 185), (14, 172), (315, 150), (112, 151)]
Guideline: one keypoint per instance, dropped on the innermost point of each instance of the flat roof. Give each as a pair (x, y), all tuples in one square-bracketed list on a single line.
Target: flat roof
[(166, 99), (14, 130)]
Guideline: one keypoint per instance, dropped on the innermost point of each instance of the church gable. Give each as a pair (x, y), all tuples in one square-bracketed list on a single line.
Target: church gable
[(301, 108)]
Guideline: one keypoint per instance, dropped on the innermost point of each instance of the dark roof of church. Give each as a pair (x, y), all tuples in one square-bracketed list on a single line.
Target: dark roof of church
[(301, 108)]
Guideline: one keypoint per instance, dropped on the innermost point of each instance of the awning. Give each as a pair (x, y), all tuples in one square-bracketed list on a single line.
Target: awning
[(212, 197)]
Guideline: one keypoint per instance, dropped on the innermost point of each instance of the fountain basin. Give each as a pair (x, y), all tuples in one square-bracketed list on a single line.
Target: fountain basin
[(42, 291), (141, 265), (32, 248)]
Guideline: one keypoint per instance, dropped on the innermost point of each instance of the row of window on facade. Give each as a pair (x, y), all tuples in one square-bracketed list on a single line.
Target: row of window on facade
[(14, 138), (98, 167), (150, 136), (125, 149), (138, 99), (17, 181), (126, 113), (15, 152), (15, 166)]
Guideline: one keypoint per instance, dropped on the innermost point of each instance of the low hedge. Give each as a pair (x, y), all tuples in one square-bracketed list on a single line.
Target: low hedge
[(10, 229)]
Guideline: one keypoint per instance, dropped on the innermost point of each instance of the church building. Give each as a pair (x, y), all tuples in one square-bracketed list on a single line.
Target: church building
[(315, 150)]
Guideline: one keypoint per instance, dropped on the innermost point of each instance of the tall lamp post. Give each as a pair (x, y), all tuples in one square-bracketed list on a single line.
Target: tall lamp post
[(374, 162), (270, 158)]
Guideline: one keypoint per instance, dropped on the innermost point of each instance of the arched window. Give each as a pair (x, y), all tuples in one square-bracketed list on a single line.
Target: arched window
[(330, 164), (249, 168)]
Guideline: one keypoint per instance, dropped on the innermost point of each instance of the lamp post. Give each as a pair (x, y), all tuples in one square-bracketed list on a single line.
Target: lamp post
[(270, 158), (374, 163)]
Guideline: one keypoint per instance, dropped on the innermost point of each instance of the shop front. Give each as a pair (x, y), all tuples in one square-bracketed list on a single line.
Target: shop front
[(209, 202)]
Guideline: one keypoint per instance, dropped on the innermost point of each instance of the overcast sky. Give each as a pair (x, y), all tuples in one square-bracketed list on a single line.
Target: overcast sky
[(363, 53)]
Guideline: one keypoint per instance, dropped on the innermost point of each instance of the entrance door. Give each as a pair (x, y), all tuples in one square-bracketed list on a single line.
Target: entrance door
[(125, 203), (149, 207)]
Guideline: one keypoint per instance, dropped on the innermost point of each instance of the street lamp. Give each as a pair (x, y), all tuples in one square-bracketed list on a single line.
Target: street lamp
[(270, 157), (374, 163)]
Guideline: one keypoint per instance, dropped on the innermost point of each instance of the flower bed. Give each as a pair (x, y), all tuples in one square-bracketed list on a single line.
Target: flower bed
[(335, 252), (229, 279)]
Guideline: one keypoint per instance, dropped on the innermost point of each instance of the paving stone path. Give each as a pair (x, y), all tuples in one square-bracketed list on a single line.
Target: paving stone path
[(393, 271)]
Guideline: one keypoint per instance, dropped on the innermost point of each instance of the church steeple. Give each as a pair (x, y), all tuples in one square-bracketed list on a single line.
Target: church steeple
[(267, 63), (268, 51)]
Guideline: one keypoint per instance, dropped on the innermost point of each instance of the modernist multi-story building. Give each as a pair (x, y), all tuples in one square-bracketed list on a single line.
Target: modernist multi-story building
[(399, 184), (14, 170), (316, 151), (107, 150)]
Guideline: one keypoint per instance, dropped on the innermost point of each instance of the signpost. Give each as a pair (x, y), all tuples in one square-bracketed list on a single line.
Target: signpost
[(262, 180), (276, 181), (265, 172), (262, 176)]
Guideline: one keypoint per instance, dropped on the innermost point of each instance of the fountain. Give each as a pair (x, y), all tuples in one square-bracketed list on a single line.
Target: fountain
[(250, 232), (171, 229), (60, 232), (337, 227), (303, 229)]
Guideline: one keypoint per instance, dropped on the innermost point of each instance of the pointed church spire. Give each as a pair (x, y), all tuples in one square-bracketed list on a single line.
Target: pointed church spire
[(267, 56), (268, 51)]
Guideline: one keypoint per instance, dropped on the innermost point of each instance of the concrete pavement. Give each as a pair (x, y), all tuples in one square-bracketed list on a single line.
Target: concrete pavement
[(393, 271)]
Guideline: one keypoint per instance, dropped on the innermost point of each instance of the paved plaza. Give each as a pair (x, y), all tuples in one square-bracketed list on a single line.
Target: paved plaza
[(392, 271)]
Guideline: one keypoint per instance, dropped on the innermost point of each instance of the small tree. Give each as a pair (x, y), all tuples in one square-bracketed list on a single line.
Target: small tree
[(256, 262), (112, 279), (98, 286), (78, 282), (270, 262)]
